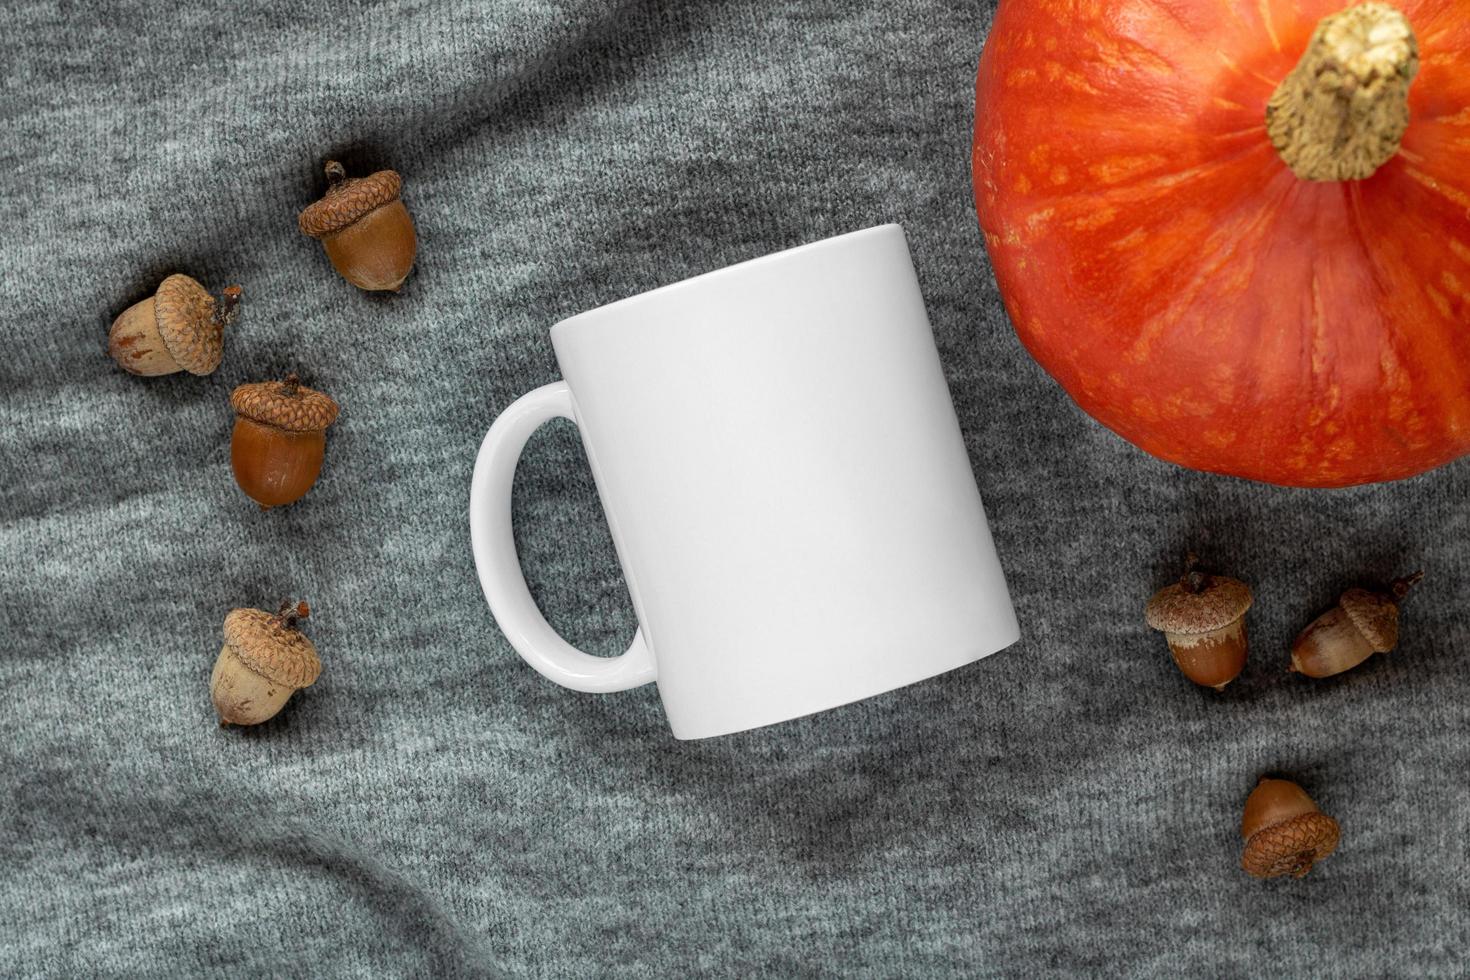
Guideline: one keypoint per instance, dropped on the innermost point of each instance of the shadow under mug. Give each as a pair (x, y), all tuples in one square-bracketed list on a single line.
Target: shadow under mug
[(786, 485)]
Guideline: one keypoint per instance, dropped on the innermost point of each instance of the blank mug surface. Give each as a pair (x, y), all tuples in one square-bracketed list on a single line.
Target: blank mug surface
[(786, 483)]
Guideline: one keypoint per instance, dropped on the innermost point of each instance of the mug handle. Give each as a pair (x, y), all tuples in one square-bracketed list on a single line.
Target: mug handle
[(499, 566)]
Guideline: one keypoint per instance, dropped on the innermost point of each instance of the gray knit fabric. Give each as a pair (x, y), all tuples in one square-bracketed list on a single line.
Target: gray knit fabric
[(434, 807)]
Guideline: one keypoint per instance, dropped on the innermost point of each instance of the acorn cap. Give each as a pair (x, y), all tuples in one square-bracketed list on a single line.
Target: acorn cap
[(184, 312), (285, 404), (275, 651), (1221, 601), (1375, 615), (347, 200), (1291, 846)]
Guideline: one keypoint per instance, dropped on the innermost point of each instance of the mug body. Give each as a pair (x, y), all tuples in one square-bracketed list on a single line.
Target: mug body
[(786, 484)]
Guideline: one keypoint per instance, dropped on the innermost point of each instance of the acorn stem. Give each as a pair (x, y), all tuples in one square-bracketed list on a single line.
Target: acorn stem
[(336, 173), (1193, 580), (1400, 586), (291, 612), (292, 385), (227, 306)]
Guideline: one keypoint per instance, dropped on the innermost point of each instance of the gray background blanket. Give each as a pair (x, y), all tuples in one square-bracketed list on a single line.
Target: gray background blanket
[(432, 806)]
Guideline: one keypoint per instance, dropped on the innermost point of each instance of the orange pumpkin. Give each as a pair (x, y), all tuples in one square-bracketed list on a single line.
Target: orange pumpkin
[(1238, 231)]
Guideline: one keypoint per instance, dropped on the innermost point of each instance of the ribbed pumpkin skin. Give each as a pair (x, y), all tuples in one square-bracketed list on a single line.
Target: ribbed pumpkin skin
[(1160, 260)]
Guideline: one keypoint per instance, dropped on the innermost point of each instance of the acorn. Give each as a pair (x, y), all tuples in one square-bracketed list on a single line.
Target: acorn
[(179, 328), (264, 661), (366, 230), (1203, 618), (279, 439), (1361, 624), (1284, 831)]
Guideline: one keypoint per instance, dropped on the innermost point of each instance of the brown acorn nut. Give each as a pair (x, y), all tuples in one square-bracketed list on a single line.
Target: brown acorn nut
[(179, 328), (1284, 831), (1203, 618), (279, 439), (1361, 624), (264, 661), (366, 230)]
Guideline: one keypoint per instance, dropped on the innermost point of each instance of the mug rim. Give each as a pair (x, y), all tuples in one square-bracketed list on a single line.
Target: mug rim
[(705, 277)]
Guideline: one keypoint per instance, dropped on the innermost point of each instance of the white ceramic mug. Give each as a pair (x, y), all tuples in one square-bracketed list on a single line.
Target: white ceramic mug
[(786, 485)]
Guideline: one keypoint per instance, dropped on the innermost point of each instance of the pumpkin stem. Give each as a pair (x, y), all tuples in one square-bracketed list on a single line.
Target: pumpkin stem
[(1342, 112)]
